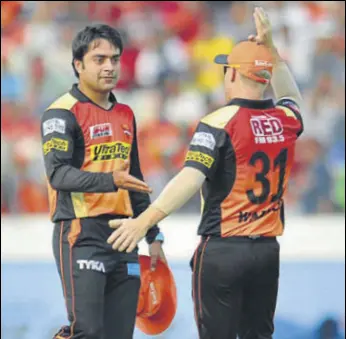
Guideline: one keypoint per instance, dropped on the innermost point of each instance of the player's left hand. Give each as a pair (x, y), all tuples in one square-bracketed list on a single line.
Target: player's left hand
[(128, 233), (156, 253)]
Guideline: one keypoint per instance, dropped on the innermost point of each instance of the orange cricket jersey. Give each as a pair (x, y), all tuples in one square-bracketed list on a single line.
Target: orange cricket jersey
[(82, 145), (246, 150)]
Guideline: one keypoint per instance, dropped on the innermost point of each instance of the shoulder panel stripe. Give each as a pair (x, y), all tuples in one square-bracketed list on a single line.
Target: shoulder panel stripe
[(287, 111), (67, 101), (220, 118)]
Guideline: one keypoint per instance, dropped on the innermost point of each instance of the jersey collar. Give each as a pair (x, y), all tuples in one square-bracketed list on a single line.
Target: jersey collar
[(255, 104), (83, 98)]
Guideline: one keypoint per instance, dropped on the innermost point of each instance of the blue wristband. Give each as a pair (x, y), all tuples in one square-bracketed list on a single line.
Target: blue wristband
[(160, 237)]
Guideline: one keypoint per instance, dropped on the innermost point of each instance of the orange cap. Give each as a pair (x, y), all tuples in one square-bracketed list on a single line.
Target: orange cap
[(248, 58), (157, 304)]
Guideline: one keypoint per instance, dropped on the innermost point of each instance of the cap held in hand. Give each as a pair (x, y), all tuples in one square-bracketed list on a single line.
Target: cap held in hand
[(157, 303)]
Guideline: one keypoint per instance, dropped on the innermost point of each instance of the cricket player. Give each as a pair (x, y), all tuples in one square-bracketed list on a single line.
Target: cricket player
[(92, 164), (240, 158)]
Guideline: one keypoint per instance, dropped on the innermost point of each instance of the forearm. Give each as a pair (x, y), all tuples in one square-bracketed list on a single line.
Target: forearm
[(70, 179), (177, 192), (283, 82), (140, 203), (180, 190)]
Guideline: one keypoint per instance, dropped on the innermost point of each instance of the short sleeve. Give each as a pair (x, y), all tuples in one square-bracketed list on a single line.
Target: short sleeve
[(204, 149), (292, 106)]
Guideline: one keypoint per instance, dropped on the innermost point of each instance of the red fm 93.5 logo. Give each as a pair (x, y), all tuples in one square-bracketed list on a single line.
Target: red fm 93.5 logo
[(267, 129)]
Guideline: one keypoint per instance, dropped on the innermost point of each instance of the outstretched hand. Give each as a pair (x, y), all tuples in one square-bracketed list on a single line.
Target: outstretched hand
[(128, 233), (124, 180), (263, 27)]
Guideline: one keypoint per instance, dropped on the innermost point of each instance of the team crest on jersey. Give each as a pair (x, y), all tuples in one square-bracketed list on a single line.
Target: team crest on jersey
[(126, 130), (267, 129), (102, 130)]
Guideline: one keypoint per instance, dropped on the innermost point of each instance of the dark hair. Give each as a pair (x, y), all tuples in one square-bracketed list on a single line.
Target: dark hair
[(84, 38)]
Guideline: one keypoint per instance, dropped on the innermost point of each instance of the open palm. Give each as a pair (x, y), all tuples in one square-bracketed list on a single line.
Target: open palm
[(263, 27)]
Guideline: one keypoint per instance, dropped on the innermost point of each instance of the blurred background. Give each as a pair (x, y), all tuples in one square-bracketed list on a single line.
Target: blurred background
[(169, 80)]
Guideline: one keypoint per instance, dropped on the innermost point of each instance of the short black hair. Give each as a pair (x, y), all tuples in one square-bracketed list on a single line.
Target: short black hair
[(84, 38)]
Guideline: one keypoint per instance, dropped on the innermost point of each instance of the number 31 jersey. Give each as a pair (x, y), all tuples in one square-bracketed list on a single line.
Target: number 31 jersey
[(246, 150)]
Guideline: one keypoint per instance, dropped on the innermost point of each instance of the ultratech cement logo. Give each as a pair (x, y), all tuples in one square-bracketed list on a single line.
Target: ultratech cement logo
[(110, 151)]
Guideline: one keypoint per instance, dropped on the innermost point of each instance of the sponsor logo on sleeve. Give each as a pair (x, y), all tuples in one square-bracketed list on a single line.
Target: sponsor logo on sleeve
[(202, 158), (54, 125), (204, 139), (56, 144)]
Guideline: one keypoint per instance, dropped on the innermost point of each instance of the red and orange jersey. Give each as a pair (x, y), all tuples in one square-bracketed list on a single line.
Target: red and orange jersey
[(246, 150), (82, 145)]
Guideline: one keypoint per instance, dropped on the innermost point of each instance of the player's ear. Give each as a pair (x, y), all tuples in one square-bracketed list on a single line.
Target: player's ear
[(234, 74), (78, 66)]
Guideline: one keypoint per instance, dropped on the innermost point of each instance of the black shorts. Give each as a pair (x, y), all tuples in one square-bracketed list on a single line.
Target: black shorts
[(235, 286), (100, 286)]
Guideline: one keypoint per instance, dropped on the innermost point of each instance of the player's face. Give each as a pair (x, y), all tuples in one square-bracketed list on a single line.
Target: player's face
[(100, 67)]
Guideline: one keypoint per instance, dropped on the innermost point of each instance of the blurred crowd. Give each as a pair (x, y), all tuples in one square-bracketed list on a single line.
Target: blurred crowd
[(170, 81)]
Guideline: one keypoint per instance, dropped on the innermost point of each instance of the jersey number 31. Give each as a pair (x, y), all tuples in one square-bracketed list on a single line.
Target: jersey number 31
[(279, 162)]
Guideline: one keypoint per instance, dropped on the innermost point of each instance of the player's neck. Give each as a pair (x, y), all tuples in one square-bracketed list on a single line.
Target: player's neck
[(245, 95), (100, 99)]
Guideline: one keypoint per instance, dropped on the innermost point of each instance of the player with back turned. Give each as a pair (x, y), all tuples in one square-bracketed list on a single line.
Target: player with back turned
[(240, 158)]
